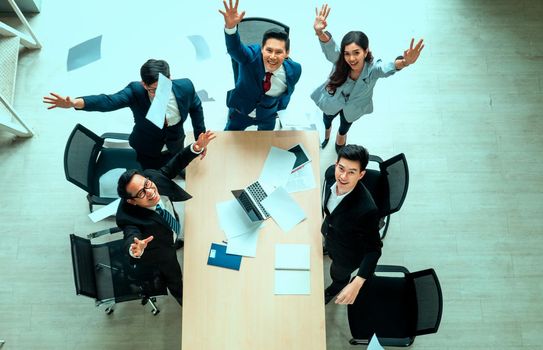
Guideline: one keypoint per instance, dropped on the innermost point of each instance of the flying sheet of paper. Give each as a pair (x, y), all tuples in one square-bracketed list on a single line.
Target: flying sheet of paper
[(374, 344), (233, 220), (204, 96), (277, 169), (108, 210), (157, 111), (301, 180), (200, 46), (84, 53), (283, 209)]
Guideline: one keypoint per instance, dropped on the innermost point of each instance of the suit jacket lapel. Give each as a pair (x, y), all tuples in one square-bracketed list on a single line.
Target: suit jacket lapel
[(349, 202)]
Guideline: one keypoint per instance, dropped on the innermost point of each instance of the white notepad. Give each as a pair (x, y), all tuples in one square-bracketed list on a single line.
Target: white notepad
[(292, 269)]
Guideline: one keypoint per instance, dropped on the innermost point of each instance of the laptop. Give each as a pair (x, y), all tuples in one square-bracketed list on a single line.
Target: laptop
[(250, 200)]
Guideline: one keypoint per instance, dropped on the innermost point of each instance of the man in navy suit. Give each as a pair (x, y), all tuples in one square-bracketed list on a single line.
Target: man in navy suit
[(154, 146), (351, 225), (266, 75)]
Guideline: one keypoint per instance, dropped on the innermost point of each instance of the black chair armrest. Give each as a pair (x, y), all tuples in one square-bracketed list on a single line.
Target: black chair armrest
[(115, 135), (111, 231), (391, 268), (99, 200)]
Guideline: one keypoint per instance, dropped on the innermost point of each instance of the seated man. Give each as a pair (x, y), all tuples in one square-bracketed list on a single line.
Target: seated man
[(154, 146), (148, 219), (266, 75), (351, 225)]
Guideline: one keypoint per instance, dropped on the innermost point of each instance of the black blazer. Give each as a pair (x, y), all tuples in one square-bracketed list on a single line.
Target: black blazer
[(141, 223), (146, 138), (352, 229)]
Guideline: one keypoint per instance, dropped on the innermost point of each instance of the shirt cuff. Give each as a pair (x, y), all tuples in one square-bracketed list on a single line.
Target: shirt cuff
[(193, 151), (231, 31), (132, 255)]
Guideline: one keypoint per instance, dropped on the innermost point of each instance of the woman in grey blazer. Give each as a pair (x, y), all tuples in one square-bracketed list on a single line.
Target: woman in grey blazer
[(349, 89)]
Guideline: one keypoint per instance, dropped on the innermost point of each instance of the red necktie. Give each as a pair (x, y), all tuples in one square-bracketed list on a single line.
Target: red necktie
[(266, 85)]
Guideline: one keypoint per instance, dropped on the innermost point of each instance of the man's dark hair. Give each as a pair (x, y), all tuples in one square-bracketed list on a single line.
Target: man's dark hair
[(355, 153), (124, 180), (276, 33), (150, 69)]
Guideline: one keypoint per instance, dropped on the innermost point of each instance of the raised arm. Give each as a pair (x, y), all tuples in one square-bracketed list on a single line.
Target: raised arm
[(320, 23), (411, 55), (55, 100), (231, 15)]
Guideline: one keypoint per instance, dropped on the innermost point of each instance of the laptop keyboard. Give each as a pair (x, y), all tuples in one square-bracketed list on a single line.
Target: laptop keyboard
[(258, 193)]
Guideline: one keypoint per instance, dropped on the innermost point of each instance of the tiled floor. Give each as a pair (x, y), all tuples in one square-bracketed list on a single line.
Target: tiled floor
[(467, 116)]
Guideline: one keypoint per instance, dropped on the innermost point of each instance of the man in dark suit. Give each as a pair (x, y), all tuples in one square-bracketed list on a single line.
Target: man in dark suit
[(266, 75), (154, 146), (351, 225), (148, 219)]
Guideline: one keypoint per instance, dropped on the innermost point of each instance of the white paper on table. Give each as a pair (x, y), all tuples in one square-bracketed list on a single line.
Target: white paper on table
[(294, 282), (108, 210), (276, 169), (292, 256), (157, 111), (301, 180), (283, 209), (374, 344), (244, 244), (233, 220), (108, 183)]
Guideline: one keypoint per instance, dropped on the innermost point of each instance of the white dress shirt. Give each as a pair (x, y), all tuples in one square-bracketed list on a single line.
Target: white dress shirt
[(334, 199)]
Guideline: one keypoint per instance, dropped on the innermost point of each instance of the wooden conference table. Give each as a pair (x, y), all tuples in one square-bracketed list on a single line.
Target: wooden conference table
[(227, 309)]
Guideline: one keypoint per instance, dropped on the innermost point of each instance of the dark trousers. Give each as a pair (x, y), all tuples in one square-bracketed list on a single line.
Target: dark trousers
[(340, 275), (344, 125), (174, 280), (157, 161), (237, 122)]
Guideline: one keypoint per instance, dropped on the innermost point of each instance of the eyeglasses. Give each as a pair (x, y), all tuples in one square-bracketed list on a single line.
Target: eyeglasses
[(146, 186)]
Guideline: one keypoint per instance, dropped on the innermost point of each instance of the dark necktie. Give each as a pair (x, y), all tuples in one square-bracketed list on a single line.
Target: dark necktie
[(172, 222), (266, 85)]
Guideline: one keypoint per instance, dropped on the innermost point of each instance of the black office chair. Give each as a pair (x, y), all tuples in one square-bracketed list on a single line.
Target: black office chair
[(86, 159), (251, 30), (388, 186), (103, 272), (396, 309)]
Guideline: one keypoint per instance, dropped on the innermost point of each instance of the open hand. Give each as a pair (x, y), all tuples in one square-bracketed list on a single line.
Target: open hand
[(320, 18), (203, 140), (138, 246), (58, 101), (350, 292), (412, 54), (231, 15)]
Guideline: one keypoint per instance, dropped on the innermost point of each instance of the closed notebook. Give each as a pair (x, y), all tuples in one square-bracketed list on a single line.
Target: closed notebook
[(218, 257)]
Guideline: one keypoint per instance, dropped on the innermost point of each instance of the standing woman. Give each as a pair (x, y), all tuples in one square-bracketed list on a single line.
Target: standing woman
[(349, 89)]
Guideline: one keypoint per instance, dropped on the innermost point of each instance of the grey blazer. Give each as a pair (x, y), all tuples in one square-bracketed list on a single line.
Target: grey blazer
[(360, 101)]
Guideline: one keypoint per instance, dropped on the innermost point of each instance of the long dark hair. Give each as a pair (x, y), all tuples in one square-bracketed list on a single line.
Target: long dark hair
[(342, 68)]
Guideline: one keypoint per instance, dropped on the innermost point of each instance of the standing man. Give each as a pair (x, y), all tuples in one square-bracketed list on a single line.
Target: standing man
[(266, 76), (149, 221), (351, 225), (154, 146)]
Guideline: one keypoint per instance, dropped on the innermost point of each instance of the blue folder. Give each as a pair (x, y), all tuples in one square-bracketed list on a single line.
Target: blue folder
[(218, 257)]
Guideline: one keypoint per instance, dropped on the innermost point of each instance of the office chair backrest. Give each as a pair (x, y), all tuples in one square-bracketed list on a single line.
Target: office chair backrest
[(83, 265), (80, 154), (429, 301), (251, 30), (395, 182)]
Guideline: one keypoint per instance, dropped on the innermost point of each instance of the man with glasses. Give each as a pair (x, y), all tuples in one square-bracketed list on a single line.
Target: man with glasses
[(154, 146), (148, 219), (351, 225)]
